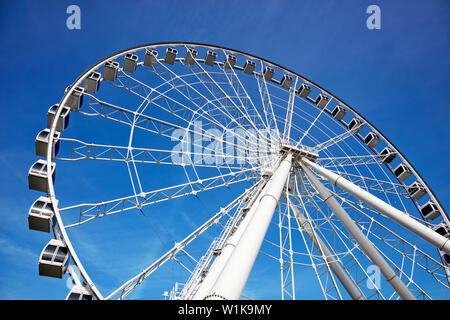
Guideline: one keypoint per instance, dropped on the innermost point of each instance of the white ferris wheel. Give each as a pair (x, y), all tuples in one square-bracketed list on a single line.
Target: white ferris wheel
[(195, 167)]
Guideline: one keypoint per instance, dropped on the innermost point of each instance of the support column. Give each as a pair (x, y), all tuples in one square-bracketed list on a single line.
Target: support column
[(334, 264), (227, 249), (439, 241), (365, 244), (232, 279)]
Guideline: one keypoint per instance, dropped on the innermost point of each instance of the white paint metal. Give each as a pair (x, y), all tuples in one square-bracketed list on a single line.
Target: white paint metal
[(232, 279), (366, 245), (333, 263), (227, 249), (398, 216)]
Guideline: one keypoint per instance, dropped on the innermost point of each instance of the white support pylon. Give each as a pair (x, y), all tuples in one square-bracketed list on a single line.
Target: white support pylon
[(234, 275), (333, 263), (365, 244), (227, 249), (439, 241)]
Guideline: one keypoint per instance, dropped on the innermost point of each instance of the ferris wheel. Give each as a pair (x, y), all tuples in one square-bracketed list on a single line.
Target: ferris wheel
[(195, 168)]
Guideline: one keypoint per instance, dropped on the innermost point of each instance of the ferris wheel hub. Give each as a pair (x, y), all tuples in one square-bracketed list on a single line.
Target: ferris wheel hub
[(298, 153)]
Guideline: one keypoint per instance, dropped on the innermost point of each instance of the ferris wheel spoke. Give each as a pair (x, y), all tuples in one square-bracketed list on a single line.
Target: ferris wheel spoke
[(156, 126), (141, 109), (211, 262), (231, 74), (201, 109), (331, 259), (396, 215), (337, 139), (319, 262), (363, 160), (386, 240), (289, 112), (418, 291), (310, 127), (267, 106), (169, 104), (328, 255), (131, 284), (302, 131), (206, 113), (349, 261), (374, 184), (403, 247), (90, 211), (286, 257), (233, 104), (357, 234), (80, 150), (314, 264), (110, 111), (367, 182)]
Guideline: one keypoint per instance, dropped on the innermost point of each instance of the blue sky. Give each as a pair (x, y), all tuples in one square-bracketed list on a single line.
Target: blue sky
[(396, 77)]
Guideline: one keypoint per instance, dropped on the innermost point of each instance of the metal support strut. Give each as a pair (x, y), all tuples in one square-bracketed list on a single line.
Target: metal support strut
[(439, 241), (234, 275), (227, 249), (365, 244), (334, 264)]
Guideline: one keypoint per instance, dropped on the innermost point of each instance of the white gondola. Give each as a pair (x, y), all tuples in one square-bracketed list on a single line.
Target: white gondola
[(416, 190), (387, 155), (54, 259), (41, 216), (338, 112), (41, 143), (268, 73), (110, 70), (286, 81), (249, 66), (171, 55), (430, 211), (150, 57), (130, 62), (191, 54), (371, 139), (63, 120), (210, 57), (443, 230), (92, 82), (355, 125), (38, 175), (322, 101), (230, 61), (304, 90), (402, 172), (75, 100), (79, 293)]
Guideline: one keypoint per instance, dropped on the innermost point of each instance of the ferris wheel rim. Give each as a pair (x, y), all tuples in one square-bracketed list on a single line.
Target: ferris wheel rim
[(95, 66)]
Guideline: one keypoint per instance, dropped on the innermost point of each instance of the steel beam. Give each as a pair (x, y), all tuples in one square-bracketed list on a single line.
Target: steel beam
[(226, 251), (328, 256), (232, 279), (365, 244), (402, 218)]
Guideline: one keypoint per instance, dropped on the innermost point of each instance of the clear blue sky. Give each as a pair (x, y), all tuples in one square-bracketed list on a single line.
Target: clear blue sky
[(396, 77)]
